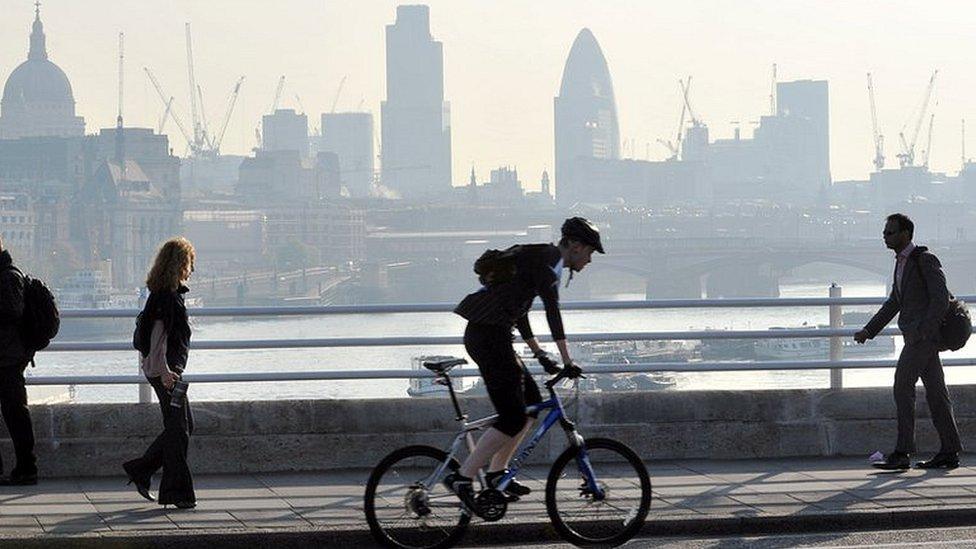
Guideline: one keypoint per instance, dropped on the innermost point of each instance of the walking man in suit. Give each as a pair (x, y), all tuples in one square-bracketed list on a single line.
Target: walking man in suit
[(920, 297)]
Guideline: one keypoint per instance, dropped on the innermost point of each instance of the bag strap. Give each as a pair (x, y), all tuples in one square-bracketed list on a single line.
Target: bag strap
[(15, 269)]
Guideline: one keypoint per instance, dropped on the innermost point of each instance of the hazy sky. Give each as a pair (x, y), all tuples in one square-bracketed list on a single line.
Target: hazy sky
[(504, 61)]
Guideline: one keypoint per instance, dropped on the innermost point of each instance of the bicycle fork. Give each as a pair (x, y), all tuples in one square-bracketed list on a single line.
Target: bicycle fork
[(583, 460)]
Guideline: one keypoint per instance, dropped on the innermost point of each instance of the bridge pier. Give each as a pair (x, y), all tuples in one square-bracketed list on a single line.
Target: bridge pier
[(674, 288), (742, 281)]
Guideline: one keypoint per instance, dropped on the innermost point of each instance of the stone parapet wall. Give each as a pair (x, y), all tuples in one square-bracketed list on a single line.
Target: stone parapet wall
[(302, 435)]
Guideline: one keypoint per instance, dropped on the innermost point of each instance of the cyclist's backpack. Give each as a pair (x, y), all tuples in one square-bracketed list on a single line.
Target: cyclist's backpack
[(497, 266), (41, 320), (956, 327)]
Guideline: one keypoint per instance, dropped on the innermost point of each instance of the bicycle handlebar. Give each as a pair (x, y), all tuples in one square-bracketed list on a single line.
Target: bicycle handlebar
[(563, 374)]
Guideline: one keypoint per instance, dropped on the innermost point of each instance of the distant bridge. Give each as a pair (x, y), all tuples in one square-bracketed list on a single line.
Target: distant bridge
[(733, 267)]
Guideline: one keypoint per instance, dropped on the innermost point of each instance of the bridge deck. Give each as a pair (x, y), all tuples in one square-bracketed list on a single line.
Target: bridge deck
[(325, 508)]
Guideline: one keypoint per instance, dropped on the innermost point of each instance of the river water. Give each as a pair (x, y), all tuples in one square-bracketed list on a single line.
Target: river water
[(109, 363)]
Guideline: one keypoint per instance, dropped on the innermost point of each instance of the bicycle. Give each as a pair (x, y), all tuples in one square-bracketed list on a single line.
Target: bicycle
[(407, 506)]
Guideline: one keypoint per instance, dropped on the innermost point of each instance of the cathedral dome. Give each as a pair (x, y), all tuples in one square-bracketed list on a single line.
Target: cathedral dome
[(37, 81), (37, 99)]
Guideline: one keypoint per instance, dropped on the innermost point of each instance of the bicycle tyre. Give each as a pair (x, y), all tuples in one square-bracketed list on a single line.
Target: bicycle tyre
[(385, 536), (572, 533)]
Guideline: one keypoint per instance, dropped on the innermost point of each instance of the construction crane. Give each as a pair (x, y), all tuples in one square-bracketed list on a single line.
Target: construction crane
[(675, 147), (928, 143), (204, 125), (199, 139), (879, 159), (772, 93), (176, 118), (335, 100), (226, 120), (298, 101), (162, 120), (685, 89), (907, 156), (277, 95)]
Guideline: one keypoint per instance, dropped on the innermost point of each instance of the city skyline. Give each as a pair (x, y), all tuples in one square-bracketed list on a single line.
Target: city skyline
[(501, 97)]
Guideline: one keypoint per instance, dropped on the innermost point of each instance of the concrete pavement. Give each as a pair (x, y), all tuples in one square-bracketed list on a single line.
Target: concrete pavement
[(695, 497)]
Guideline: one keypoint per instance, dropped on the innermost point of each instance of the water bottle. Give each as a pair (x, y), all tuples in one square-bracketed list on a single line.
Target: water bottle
[(178, 396)]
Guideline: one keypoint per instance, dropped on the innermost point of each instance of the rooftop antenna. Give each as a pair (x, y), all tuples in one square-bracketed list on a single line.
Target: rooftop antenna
[(119, 133), (772, 93), (963, 142)]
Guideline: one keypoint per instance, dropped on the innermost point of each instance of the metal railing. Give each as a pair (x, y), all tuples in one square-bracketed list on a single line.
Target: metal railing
[(835, 363)]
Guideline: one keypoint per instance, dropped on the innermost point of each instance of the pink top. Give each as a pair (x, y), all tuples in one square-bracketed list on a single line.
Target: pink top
[(154, 365)]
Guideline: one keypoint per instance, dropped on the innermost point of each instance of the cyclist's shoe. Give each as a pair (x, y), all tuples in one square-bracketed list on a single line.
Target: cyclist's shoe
[(514, 488), (461, 486)]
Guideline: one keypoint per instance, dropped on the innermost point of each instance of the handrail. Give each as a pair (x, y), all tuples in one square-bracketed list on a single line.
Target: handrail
[(449, 307), (835, 363), (429, 341), (322, 375)]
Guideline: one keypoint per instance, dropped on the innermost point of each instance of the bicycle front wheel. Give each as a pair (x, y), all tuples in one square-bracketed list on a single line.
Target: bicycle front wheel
[(582, 517), (408, 509)]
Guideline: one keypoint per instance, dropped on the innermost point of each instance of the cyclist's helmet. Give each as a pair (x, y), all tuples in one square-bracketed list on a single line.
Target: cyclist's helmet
[(582, 230)]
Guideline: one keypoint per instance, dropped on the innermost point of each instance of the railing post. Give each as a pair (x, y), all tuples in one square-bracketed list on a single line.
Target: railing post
[(836, 346), (145, 390)]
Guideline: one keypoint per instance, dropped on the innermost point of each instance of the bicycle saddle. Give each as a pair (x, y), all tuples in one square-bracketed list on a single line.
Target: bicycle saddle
[(443, 364)]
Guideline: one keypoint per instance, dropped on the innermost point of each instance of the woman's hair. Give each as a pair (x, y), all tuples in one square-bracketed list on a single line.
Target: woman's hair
[(172, 266)]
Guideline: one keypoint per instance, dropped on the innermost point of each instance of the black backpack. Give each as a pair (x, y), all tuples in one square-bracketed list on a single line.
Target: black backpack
[(497, 266), (142, 335), (41, 320), (956, 327)]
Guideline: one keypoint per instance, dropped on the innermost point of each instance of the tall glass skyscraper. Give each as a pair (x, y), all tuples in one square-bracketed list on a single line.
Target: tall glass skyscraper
[(585, 116), (416, 127)]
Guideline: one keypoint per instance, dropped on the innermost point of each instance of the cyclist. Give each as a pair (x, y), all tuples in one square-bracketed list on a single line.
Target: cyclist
[(492, 312)]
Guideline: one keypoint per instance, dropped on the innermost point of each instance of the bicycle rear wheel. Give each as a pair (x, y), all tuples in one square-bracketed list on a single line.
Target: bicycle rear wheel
[(403, 512), (584, 519)]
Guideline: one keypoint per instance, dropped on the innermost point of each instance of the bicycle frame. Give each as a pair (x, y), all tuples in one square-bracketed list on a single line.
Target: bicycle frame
[(556, 414)]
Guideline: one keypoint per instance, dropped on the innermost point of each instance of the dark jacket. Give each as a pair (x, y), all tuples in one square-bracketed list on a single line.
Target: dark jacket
[(537, 273), (169, 307), (920, 303), (12, 351)]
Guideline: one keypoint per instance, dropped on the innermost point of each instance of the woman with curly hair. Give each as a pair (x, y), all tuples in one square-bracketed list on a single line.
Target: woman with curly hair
[(163, 337)]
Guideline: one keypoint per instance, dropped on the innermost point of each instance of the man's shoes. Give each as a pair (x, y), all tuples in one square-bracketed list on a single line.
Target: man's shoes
[(942, 460), (16, 479), (895, 461), (461, 486), (514, 488)]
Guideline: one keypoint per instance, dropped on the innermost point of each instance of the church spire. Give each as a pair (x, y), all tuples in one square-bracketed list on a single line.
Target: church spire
[(38, 48)]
